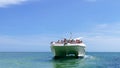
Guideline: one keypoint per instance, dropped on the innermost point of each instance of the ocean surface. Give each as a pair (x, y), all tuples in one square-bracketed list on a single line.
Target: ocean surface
[(46, 60)]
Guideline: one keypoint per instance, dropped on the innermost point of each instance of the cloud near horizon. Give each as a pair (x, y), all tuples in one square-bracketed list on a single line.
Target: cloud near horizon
[(5, 3), (103, 37)]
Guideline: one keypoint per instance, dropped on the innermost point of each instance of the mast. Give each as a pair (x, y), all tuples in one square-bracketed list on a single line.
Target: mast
[(70, 35)]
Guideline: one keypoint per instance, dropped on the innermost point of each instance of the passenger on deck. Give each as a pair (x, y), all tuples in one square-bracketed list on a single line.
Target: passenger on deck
[(62, 42), (72, 41), (81, 41), (65, 41), (69, 41), (58, 41)]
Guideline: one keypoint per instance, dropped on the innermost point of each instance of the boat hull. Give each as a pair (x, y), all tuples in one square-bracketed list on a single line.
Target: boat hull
[(66, 50)]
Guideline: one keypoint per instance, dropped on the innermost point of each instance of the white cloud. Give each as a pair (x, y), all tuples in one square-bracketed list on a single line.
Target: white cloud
[(103, 43), (108, 28), (100, 26), (5, 3), (25, 40), (25, 43), (103, 37)]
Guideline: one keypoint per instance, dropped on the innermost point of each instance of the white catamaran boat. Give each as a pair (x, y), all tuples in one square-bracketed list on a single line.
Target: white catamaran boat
[(68, 47)]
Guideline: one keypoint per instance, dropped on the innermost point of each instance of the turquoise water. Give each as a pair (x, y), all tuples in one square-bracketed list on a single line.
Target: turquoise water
[(45, 60)]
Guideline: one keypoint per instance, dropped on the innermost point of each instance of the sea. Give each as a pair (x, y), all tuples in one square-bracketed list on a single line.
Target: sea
[(46, 60)]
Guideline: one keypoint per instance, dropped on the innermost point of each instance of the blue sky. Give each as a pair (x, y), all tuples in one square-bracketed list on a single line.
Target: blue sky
[(30, 25)]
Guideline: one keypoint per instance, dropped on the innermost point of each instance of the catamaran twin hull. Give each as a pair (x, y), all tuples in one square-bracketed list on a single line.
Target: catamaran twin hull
[(62, 50)]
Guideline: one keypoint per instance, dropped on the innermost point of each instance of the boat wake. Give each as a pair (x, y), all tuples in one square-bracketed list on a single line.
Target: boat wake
[(89, 57)]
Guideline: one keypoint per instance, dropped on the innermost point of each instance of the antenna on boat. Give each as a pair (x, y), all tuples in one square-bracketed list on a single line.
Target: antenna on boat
[(70, 35)]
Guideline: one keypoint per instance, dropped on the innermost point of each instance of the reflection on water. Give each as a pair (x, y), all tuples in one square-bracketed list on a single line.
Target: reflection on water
[(68, 62), (86, 62)]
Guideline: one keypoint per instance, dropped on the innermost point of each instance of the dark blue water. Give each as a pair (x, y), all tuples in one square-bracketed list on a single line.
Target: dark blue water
[(45, 60)]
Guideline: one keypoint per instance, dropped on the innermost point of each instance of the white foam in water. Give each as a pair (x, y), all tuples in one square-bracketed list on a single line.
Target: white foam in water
[(89, 57)]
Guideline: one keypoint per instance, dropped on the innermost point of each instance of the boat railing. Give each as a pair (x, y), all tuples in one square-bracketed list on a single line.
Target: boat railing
[(65, 41)]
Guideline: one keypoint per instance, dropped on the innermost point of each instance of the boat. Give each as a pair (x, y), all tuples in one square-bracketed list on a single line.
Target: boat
[(68, 48)]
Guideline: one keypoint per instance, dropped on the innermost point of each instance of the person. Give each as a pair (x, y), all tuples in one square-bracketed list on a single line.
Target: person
[(72, 41), (81, 41), (62, 41), (51, 42), (65, 41), (58, 41)]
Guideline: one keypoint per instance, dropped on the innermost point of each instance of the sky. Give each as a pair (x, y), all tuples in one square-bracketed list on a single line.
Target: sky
[(30, 25)]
